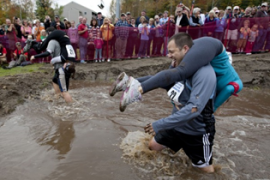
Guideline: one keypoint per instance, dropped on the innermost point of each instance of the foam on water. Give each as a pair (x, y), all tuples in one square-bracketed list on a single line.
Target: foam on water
[(66, 112), (160, 165)]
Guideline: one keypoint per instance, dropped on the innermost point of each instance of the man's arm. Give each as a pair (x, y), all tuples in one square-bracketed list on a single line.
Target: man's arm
[(80, 30), (44, 54), (203, 86)]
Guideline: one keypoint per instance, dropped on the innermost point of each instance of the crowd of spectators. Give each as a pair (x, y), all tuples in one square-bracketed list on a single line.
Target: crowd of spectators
[(241, 31)]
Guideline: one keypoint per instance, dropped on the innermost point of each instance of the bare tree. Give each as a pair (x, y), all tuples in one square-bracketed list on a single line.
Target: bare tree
[(112, 10)]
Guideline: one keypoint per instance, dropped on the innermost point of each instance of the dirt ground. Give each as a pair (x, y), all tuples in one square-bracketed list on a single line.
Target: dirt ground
[(254, 71)]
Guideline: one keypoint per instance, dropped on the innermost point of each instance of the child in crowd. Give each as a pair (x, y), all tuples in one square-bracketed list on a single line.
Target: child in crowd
[(220, 25), (107, 35), (98, 47), (92, 36), (244, 32), (144, 30), (252, 37), (73, 35), (43, 35)]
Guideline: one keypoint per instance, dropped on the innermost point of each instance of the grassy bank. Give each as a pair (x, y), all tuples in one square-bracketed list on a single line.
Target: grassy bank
[(21, 70)]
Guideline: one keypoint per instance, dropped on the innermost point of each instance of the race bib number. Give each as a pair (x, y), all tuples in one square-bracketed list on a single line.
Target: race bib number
[(70, 51), (175, 92)]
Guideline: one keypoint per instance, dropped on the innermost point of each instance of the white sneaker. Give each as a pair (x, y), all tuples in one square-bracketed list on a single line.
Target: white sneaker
[(108, 60), (96, 60), (83, 62), (103, 60), (248, 54), (120, 84), (99, 61), (139, 57), (131, 94)]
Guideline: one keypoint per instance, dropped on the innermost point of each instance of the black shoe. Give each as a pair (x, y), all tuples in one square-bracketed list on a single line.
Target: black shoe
[(6, 67)]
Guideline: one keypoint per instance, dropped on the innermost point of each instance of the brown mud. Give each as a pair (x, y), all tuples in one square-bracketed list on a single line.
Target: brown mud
[(254, 71)]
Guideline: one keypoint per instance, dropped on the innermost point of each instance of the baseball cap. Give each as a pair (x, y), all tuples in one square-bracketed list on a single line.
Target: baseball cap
[(99, 13), (56, 16), (217, 11), (128, 13), (229, 7), (156, 16), (235, 7), (65, 19), (265, 4), (123, 14)]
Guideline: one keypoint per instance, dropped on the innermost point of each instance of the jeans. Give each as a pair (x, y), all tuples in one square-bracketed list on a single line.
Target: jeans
[(260, 40), (83, 47), (143, 48), (98, 54)]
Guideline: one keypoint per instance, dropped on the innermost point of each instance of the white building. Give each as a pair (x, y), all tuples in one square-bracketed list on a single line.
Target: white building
[(73, 10)]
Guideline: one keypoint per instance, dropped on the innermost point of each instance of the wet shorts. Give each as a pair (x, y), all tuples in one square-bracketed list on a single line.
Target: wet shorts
[(197, 148), (61, 77)]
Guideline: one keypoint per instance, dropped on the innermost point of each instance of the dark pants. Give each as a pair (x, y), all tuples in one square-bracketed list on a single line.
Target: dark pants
[(219, 35), (259, 43), (131, 45), (143, 48), (157, 44)]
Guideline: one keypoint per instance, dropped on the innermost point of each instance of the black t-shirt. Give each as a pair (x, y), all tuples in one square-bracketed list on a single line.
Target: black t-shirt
[(18, 29)]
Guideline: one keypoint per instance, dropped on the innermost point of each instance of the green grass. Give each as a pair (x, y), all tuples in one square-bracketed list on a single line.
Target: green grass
[(20, 70)]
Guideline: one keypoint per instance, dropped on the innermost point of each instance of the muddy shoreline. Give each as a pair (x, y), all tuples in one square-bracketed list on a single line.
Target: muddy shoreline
[(254, 71)]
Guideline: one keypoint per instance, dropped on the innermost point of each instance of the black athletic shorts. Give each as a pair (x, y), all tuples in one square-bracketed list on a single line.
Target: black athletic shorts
[(61, 78), (197, 148)]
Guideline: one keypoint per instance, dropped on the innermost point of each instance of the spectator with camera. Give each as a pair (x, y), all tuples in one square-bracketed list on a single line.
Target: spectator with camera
[(47, 22), (181, 20), (57, 24), (17, 24)]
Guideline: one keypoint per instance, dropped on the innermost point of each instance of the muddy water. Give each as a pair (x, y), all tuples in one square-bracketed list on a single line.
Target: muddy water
[(91, 139)]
